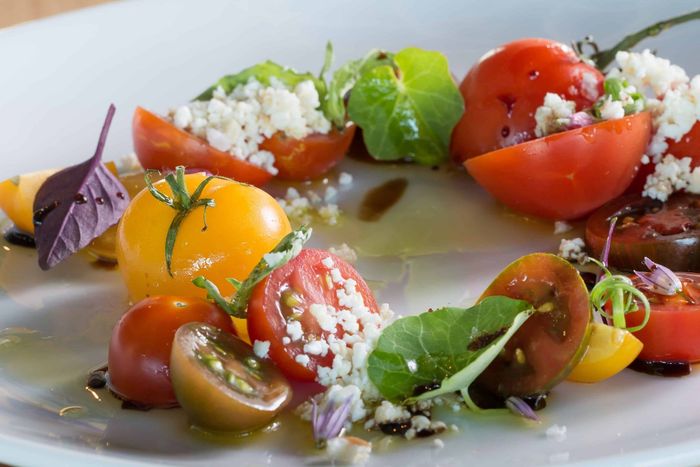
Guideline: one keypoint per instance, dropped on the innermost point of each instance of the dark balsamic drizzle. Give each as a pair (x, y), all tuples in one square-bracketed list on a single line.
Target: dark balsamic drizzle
[(380, 199), (672, 369), (16, 237)]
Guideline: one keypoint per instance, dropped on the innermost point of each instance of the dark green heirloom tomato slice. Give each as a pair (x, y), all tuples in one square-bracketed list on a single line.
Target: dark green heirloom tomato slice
[(552, 341), (667, 232), (222, 385)]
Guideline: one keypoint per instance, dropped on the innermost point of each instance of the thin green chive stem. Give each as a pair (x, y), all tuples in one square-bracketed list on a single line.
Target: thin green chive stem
[(603, 58)]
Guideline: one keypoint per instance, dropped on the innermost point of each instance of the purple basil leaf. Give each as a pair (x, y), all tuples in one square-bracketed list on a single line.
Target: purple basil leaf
[(76, 205)]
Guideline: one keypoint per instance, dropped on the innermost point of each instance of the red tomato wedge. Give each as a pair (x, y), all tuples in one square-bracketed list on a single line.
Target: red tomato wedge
[(505, 87), (311, 157), (673, 330), (162, 146), (566, 175), (286, 295)]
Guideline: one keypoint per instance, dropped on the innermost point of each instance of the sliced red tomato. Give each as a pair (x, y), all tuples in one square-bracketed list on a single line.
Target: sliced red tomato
[(566, 175), (668, 233), (286, 296), (139, 349), (505, 87), (162, 146), (311, 157), (673, 330), (552, 341)]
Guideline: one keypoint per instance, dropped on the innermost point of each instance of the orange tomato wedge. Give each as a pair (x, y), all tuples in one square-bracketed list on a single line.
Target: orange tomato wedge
[(610, 350)]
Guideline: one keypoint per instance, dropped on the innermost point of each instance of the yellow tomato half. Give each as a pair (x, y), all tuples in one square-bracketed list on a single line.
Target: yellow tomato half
[(244, 224), (610, 350), (17, 197)]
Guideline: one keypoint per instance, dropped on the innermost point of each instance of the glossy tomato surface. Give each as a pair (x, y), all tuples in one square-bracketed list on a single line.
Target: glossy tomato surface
[(553, 340), (666, 232), (162, 146), (287, 294), (311, 157), (566, 175), (139, 349), (505, 87), (673, 330), (244, 224)]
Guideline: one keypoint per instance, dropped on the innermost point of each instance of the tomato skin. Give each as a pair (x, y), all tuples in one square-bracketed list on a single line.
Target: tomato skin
[(245, 224), (162, 146), (306, 275), (673, 330), (566, 175), (139, 349), (504, 88), (311, 157)]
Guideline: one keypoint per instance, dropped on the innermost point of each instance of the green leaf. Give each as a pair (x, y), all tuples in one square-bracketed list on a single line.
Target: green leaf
[(286, 250), (409, 110), (443, 346), (344, 78), (263, 72)]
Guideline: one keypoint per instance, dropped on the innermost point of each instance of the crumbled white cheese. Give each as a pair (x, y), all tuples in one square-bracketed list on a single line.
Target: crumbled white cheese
[(611, 109), (326, 319), (303, 209), (316, 347), (261, 348), (561, 227), (573, 250), (387, 412), (239, 122), (671, 175), (302, 359), (589, 86), (674, 99), (556, 432), (438, 443), (286, 340), (345, 179), (294, 330), (553, 115), (128, 164), (348, 450), (344, 252), (422, 424)]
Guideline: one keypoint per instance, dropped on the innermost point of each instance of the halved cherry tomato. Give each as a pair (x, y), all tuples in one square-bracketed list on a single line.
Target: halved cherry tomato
[(139, 350), (311, 157), (673, 330), (552, 341), (566, 175), (610, 350), (162, 146), (667, 232), (286, 295), (504, 88)]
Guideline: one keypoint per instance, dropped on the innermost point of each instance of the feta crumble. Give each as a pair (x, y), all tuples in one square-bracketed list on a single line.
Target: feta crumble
[(345, 179), (344, 252), (348, 450), (573, 250), (238, 123), (261, 348), (671, 175), (554, 115), (556, 432), (304, 209), (561, 227)]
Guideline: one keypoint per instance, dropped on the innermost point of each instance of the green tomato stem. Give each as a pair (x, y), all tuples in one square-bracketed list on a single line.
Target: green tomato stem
[(603, 58)]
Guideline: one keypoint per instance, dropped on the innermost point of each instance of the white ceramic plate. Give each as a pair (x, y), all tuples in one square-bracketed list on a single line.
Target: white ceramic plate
[(440, 245)]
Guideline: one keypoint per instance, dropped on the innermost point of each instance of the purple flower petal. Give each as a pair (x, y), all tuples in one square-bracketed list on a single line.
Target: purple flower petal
[(608, 242), (328, 421), (520, 407), (660, 279), (580, 119)]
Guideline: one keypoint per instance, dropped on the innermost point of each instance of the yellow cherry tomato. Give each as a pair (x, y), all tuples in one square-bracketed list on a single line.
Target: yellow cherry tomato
[(610, 350), (104, 246), (244, 224), (17, 197)]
